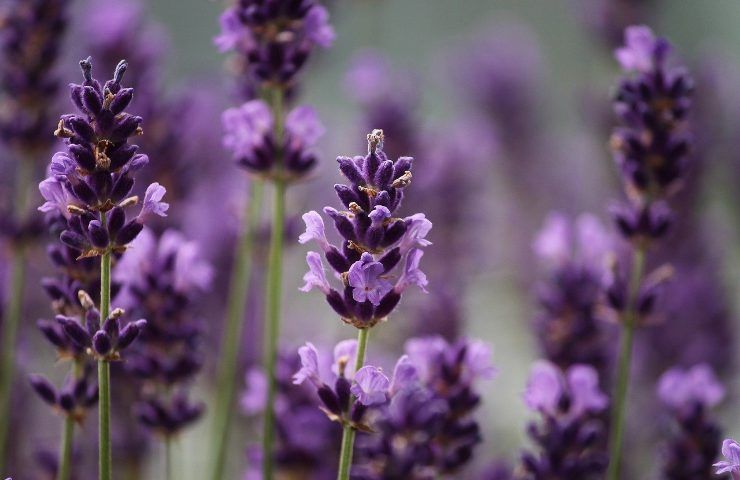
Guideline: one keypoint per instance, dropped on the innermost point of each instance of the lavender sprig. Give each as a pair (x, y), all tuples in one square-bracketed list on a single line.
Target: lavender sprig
[(374, 245), (651, 149), (89, 186), (272, 40), (30, 40), (731, 451), (571, 436), (689, 396)]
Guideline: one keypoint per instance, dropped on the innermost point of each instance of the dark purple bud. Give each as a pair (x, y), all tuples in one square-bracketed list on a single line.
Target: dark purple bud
[(43, 388), (125, 127), (82, 128), (349, 169), (387, 304), (342, 388), (384, 175), (128, 233), (116, 219), (101, 343), (121, 188), (83, 156), (53, 333), (358, 411), (98, 235), (330, 399), (66, 401), (83, 191), (92, 100), (111, 327), (74, 330), (130, 332), (402, 165), (335, 300), (121, 100)]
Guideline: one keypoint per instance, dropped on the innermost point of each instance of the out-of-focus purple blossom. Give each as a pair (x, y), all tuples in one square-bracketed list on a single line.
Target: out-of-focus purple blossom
[(273, 39), (571, 435), (569, 323), (250, 138), (370, 386), (73, 399), (693, 442), (388, 99), (374, 242), (31, 40), (162, 278), (428, 428), (731, 451)]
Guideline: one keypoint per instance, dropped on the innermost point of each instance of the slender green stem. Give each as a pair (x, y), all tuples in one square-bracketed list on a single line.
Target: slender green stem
[(65, 450), (104, 453), (226, 377), (272, 324), (348, 433), (619, 401), (273, 287), (168, 458), (14, 312)]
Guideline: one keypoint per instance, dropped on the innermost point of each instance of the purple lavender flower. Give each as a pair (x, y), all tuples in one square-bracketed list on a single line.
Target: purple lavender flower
[(73, 399), (571, 435), (652, 145), (250, 138), (569, 325), (162, 277), (31, 42), (304, 437), (374, 242), (273, 39), (689, 396), (428, 428), (370, 385), (104, 166), (731, 451)]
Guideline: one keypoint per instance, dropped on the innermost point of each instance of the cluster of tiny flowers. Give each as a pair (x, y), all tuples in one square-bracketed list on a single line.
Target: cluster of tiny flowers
[(369, 385), (569, 325), (73, 399), (304, 438), (689, 396), (162, 278), (273, 39), (89, 184), (30, 40), (571, 435), (374, 241), (427, 428), (652, 144), (731, 452), (250, 137)]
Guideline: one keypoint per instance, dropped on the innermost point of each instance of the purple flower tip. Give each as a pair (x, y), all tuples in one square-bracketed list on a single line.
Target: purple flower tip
[(642, 49), (309, 365), (316, 276), (314, 230)]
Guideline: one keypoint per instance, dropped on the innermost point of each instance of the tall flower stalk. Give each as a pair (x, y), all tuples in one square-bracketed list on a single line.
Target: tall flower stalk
[(273, 40), (30, 42), (374, 244), (651, 149), (89, 185)]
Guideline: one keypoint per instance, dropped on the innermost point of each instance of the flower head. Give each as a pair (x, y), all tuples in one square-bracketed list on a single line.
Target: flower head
[(731, 451), (683, 390)]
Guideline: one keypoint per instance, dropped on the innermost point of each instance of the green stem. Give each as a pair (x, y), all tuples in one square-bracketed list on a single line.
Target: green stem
[(104, 453), (14, 312), (619, 402), (168, 458), (348, 433), (65, 452), (226, 377), (272, 323)]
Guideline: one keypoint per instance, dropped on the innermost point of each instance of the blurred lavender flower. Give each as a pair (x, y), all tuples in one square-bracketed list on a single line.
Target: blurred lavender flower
[(73, 399), (388, 99), (305, 439), (689, 396), (571, 436), (162, 278), (731, 451), (569, 325), (31, 42), (374, 242), (428, 428), (250, 138), (272, 39)]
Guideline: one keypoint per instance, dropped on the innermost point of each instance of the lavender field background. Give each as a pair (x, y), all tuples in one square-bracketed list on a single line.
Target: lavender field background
[(554, 60)]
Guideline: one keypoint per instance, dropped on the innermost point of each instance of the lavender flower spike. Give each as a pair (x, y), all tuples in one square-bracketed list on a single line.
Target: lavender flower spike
[(374, 242), (731, 451)]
